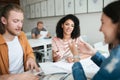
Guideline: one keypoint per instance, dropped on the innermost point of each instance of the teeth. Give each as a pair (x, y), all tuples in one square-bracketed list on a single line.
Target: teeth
[(68, 31)]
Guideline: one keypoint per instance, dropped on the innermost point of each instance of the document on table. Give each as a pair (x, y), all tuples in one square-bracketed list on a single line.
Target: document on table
[(50, 68), (43, 34), (64, 65), (90, 68)]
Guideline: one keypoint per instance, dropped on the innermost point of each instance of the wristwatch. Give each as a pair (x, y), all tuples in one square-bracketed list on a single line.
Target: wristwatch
[(76, 57)]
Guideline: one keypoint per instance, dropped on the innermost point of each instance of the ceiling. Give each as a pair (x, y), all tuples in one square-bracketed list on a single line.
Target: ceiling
[(4, 2)]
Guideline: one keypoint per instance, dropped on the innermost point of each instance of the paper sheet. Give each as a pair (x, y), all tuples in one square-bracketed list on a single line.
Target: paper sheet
[(89, 67), (43, 33), (50, 68)]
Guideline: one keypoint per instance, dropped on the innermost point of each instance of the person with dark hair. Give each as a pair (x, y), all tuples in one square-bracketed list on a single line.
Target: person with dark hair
[(37, 31), (67, 31), (109, 67), (16, 55)]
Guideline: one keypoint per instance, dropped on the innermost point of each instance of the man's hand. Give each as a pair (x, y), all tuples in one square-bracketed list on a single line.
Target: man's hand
[(23, 76), (31, 64)]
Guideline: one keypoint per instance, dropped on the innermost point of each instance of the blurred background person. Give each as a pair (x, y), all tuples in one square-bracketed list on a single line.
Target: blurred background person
[(39, 31)]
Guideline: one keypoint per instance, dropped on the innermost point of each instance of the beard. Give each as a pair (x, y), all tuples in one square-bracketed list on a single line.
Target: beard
[(13, 33)]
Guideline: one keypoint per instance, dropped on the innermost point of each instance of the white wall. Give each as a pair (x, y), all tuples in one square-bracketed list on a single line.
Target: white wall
[(89, 24)]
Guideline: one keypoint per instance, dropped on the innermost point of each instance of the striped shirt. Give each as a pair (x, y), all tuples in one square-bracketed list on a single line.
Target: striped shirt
[(62, 47)]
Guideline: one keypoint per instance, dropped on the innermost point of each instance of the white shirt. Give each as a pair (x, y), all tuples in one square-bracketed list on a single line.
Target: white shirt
[(15, 53)]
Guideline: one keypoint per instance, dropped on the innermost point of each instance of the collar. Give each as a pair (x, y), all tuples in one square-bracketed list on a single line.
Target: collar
[(2, 40)]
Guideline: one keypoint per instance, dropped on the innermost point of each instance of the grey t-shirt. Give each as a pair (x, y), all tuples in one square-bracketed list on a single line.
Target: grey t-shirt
[(36, 31)]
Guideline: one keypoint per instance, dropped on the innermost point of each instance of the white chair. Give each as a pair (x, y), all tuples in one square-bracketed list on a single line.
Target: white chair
[(28, 34), (102, 48), (84, 37), (46, 54), (98, 44)]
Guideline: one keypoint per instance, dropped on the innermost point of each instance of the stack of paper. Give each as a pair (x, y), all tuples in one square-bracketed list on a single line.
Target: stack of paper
[(89, 67), (50, 68)]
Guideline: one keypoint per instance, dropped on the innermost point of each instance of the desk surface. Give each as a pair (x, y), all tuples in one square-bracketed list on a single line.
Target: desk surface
[(89, 67), (39, 42), (58, 77)]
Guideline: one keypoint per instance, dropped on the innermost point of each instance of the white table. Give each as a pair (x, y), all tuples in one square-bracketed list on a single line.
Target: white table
[(89, 67), (41, 42)]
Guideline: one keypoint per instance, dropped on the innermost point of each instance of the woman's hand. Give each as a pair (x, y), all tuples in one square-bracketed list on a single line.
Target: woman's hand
[(56, 56), (86, 48), (69, 59), (73, 48), (31, 64)]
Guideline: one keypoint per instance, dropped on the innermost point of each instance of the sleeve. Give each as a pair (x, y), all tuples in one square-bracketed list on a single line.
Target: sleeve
[(28, 51), (98, 59), (44, 29), (110, 70), (56, 47), (78, 72), (33, 31)]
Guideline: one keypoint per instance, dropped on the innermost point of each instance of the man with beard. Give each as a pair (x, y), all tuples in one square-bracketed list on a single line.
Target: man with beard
[(16, 55)]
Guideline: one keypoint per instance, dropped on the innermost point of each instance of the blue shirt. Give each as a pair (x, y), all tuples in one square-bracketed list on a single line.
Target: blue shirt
[(36, 31), (109, 68)]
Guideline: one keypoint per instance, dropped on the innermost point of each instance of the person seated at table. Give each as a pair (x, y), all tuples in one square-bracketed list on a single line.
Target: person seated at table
[(67, 31), (16, 55), (39, 31), (109, 67)]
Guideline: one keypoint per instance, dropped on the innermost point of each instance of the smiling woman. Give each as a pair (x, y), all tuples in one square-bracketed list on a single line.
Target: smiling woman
[(68, 34)]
